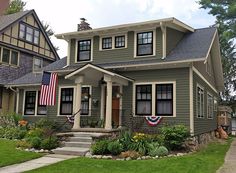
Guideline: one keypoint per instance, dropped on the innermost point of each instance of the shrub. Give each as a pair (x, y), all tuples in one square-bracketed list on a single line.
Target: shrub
[(35, 142), (23, 144), (49, 143), (100, 147), (114, 147), (174, 136), (44, 123), (36, 132), (125, 140), (14, 133), (162, 151)]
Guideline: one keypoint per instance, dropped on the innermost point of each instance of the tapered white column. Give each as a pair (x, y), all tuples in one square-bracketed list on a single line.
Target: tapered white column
[(77, 105), (108, 123)]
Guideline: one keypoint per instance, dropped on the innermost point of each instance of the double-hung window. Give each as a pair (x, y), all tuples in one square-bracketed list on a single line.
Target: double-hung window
[(14, 58), (200, 102), (144, 43), (85, 101), (143, 99), (30, 100), (209, 106), (66, 104), (6, 55), (10, 56), (164, 99), (107, 43), (84, 50)]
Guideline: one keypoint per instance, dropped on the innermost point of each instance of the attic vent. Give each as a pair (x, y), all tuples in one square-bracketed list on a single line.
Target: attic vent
[(83, 25)]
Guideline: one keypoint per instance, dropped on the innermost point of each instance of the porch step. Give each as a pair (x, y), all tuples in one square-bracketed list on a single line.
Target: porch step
[(78, 144), (89, 134), (81, 139), (71, 151)]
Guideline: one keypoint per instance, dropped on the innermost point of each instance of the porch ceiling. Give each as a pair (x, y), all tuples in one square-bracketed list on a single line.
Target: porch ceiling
[(93, 75)]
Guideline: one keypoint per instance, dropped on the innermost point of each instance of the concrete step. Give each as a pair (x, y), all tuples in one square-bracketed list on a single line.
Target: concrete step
[(80, 139), (78, 144), (88, 134), (71, 151)]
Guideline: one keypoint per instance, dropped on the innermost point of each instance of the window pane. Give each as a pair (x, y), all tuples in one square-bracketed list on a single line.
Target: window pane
[(36, 37), (120, 41), (144, 107), (30, 98), (5, 55), (29, 34), (164, 107), (85, 55), (145, 49), (22, 31), (14, 58), (66, 108)]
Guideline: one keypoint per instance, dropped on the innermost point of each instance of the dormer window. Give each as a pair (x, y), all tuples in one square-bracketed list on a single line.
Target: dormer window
[(84, 50), (144, 43), (107, 43), (29, 33)]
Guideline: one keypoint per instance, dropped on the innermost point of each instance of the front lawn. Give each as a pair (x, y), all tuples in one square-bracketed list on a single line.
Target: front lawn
[(208, 160), (10, 155)]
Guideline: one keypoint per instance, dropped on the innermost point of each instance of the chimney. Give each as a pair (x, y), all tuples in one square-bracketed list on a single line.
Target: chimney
[(4, 4), (83, 25)]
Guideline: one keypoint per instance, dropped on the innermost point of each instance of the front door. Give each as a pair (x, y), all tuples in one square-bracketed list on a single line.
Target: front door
[(115, 105)]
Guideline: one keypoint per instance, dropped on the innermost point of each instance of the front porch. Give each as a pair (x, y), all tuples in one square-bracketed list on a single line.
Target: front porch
[(111, 88)]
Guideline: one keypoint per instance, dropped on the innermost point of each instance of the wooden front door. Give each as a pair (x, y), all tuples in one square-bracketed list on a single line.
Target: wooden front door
[(115, 106)]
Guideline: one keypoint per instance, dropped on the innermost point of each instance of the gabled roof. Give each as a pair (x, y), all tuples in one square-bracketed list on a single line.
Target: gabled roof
[(7, 20), (170, 22)]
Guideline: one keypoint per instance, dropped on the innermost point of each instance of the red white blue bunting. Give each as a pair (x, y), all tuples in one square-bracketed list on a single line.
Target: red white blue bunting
[(153, 120)]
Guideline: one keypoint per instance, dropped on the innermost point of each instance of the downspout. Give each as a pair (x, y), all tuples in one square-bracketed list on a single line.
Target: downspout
[(163, 29), (17, 99)]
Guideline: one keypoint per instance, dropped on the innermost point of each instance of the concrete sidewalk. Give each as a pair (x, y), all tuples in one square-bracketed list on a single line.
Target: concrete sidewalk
[(230, 160), (36, 163)]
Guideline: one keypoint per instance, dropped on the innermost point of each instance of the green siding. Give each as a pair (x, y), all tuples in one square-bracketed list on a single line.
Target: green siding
[(203, 125), (117, 55), (181, 76), (172, 39)]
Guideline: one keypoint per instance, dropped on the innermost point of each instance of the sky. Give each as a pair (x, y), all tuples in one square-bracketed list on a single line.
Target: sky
[(63, 16)]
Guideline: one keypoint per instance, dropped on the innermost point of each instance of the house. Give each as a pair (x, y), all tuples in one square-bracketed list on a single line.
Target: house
[(121, 74), (24, 47)]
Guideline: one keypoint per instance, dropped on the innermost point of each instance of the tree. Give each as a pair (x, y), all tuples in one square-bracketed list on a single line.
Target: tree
[(225, 13), (15, 6)]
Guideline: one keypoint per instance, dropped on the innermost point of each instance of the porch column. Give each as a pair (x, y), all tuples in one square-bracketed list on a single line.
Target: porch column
[(77, 104), (108, 123)]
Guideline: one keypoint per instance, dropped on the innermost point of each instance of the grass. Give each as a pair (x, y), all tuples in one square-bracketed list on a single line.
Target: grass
[(10, 155), (208, 160)]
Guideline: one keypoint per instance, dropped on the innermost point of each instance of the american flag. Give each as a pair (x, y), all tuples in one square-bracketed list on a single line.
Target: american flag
[(48, 89)]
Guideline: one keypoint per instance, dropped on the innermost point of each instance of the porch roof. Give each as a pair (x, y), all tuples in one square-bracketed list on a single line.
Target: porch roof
[(93, 74)]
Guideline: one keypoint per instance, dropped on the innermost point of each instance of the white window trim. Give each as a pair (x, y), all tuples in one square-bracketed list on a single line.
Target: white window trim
[(208, 117), (36, 104), (154, 42), (113, 41), (5, 63), (154, 83), (199, 86), (76, 50), (74, 96)]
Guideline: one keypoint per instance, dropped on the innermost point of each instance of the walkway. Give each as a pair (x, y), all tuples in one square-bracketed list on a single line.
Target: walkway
[(230, 160), (36, 163)]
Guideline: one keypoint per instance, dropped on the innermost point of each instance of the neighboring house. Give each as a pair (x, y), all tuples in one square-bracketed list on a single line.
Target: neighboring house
[(123, 73), (24, 47)]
